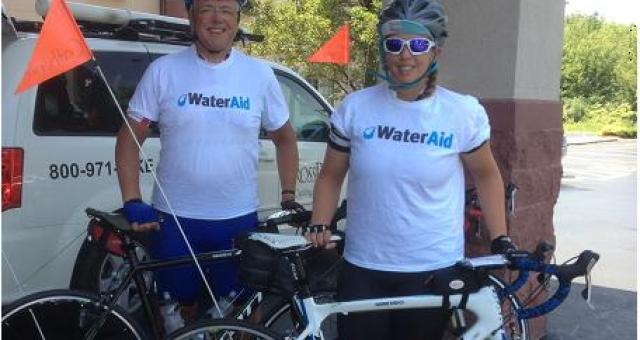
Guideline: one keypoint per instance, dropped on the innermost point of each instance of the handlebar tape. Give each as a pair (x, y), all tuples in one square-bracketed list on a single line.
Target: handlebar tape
[(565, 274)]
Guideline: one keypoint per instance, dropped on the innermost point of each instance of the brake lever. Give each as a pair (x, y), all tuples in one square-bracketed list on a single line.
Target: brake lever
[(586, 293), (512, 190)]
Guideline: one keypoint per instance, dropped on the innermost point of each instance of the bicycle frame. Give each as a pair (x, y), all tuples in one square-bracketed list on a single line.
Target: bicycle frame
[(137, 267), (484, 303)]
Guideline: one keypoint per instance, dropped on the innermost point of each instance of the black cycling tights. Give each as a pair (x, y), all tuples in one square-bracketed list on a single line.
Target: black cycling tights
[(413, 324)]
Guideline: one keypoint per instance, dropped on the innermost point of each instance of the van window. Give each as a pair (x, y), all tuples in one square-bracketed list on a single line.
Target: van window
[(308, 116), (78, 102)]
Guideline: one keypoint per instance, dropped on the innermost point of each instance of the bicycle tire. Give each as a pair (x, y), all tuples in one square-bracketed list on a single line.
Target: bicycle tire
[(96, 270), (65, 314), (224, 329), (280, 317), (276, 314), (514, 328)]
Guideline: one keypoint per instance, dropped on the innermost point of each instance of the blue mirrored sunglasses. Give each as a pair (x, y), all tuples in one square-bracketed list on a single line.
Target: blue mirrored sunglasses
[(417, 46)]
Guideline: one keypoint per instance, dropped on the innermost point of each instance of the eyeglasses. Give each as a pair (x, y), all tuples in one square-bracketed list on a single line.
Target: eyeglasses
[(417, 46), (224, 10)]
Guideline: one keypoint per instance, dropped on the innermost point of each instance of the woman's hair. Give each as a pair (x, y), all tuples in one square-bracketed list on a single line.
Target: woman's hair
[(428, 13), (431, 86)]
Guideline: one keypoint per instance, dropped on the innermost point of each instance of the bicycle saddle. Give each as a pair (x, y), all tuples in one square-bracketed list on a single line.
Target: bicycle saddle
[(117, 220)]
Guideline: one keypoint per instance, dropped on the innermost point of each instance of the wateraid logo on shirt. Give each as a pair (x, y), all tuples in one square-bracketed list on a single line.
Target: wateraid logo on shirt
[(182, 100), (434, 138), (194, 98)]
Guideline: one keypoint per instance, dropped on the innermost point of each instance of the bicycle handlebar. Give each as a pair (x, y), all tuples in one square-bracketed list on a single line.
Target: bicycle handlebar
[(302, 217), (565, 274), (521, 261)]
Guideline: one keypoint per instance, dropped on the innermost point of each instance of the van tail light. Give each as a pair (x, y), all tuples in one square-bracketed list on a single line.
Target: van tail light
[(12, 165), (106, 238)]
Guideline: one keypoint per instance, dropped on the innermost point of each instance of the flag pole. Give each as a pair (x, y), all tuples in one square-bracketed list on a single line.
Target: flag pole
[(60, 31), (162, 192)]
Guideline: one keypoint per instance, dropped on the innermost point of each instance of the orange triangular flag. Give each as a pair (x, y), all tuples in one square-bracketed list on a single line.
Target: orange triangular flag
[(335, 50), (59, 48)]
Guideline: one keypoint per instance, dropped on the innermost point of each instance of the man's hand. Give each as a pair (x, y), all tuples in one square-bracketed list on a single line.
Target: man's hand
[(141, 215)]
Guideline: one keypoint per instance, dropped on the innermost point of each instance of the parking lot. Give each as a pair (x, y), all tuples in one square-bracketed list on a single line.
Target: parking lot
[(597, 210)]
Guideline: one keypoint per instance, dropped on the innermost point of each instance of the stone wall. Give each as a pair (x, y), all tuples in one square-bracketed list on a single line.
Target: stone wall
[(526, 140)]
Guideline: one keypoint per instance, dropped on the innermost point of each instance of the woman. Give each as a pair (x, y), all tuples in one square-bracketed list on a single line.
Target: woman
[(404, 143)]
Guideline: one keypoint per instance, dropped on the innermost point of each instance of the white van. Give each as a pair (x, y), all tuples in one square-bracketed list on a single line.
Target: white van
[(58, 141)]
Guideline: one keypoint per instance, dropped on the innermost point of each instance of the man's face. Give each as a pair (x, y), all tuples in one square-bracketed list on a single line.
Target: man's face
[(215, 23)]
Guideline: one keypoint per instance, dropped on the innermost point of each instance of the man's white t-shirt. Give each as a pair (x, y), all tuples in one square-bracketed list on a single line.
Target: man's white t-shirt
[(209, 116), (406, 180)]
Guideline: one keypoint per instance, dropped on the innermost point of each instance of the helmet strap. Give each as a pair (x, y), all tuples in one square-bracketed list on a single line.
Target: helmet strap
[(433, 68)]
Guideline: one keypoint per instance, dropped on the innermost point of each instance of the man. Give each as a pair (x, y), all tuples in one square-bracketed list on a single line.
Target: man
[(209, 101)]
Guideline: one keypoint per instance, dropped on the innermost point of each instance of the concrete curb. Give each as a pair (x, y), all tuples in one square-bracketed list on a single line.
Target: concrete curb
[(589, 140)]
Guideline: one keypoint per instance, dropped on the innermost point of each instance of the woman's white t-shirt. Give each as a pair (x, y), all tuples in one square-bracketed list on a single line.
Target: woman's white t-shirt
[(406, 180), (209, 116)]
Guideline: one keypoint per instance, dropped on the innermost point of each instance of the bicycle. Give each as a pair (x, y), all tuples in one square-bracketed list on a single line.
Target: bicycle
[(468, 289), (71, 314)]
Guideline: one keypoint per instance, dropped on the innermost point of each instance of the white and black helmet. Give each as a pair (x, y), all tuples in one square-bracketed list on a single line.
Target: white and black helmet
[(427, 13)]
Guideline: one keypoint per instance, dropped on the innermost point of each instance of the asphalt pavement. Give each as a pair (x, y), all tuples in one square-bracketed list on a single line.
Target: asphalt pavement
[(613, 317), (615, 295)]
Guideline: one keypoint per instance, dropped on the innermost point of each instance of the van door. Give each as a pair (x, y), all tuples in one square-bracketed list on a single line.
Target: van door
[(309, 116), (68, 132)]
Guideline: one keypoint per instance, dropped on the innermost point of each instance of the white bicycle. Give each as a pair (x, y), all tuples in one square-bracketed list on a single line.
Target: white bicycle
[(469, 290)]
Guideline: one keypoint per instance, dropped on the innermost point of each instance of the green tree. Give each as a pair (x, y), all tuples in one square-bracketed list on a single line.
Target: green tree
[(599, 72), (294, 30), (599, 61)]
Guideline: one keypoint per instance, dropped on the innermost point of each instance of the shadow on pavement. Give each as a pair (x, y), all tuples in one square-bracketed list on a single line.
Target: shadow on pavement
[(614, 316)]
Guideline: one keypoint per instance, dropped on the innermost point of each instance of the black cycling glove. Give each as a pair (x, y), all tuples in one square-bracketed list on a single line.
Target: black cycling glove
[(292, 205), (502, 245)]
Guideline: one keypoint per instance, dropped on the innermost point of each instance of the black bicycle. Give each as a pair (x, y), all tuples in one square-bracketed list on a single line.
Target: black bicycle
[(73, 314)]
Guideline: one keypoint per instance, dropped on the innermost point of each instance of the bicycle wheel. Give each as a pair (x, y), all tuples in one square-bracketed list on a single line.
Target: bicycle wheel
[(66, 314), (514, 328), (97, 271), (275, 313), (224, 329), (279, 316)]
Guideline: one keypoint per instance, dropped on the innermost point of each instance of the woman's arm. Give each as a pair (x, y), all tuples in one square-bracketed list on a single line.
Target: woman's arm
[(486, 176), (326, 192)]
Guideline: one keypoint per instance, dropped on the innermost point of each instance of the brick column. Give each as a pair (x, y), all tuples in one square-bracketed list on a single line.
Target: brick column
[(508, 53)]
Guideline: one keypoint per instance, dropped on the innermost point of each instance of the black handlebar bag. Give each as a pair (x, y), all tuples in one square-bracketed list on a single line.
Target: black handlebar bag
[(265, 269)]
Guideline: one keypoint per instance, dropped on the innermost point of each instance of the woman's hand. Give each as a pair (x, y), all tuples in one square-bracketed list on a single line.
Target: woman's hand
[(320, 236)]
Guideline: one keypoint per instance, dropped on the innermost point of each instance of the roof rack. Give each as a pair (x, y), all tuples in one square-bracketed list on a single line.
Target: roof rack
[(123, 24)]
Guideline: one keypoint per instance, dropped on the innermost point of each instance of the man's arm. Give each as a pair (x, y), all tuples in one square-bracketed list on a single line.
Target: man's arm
[(286, 145), (128, 164), (128, 158)]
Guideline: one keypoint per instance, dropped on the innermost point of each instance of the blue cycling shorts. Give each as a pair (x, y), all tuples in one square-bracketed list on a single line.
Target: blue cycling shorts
[(184, 283)]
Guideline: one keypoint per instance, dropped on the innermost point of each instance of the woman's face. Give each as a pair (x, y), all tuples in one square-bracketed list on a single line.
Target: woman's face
[(406, 67)]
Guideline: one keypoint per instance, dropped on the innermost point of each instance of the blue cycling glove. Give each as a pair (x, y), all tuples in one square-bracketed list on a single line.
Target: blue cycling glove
[(137, 211)]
